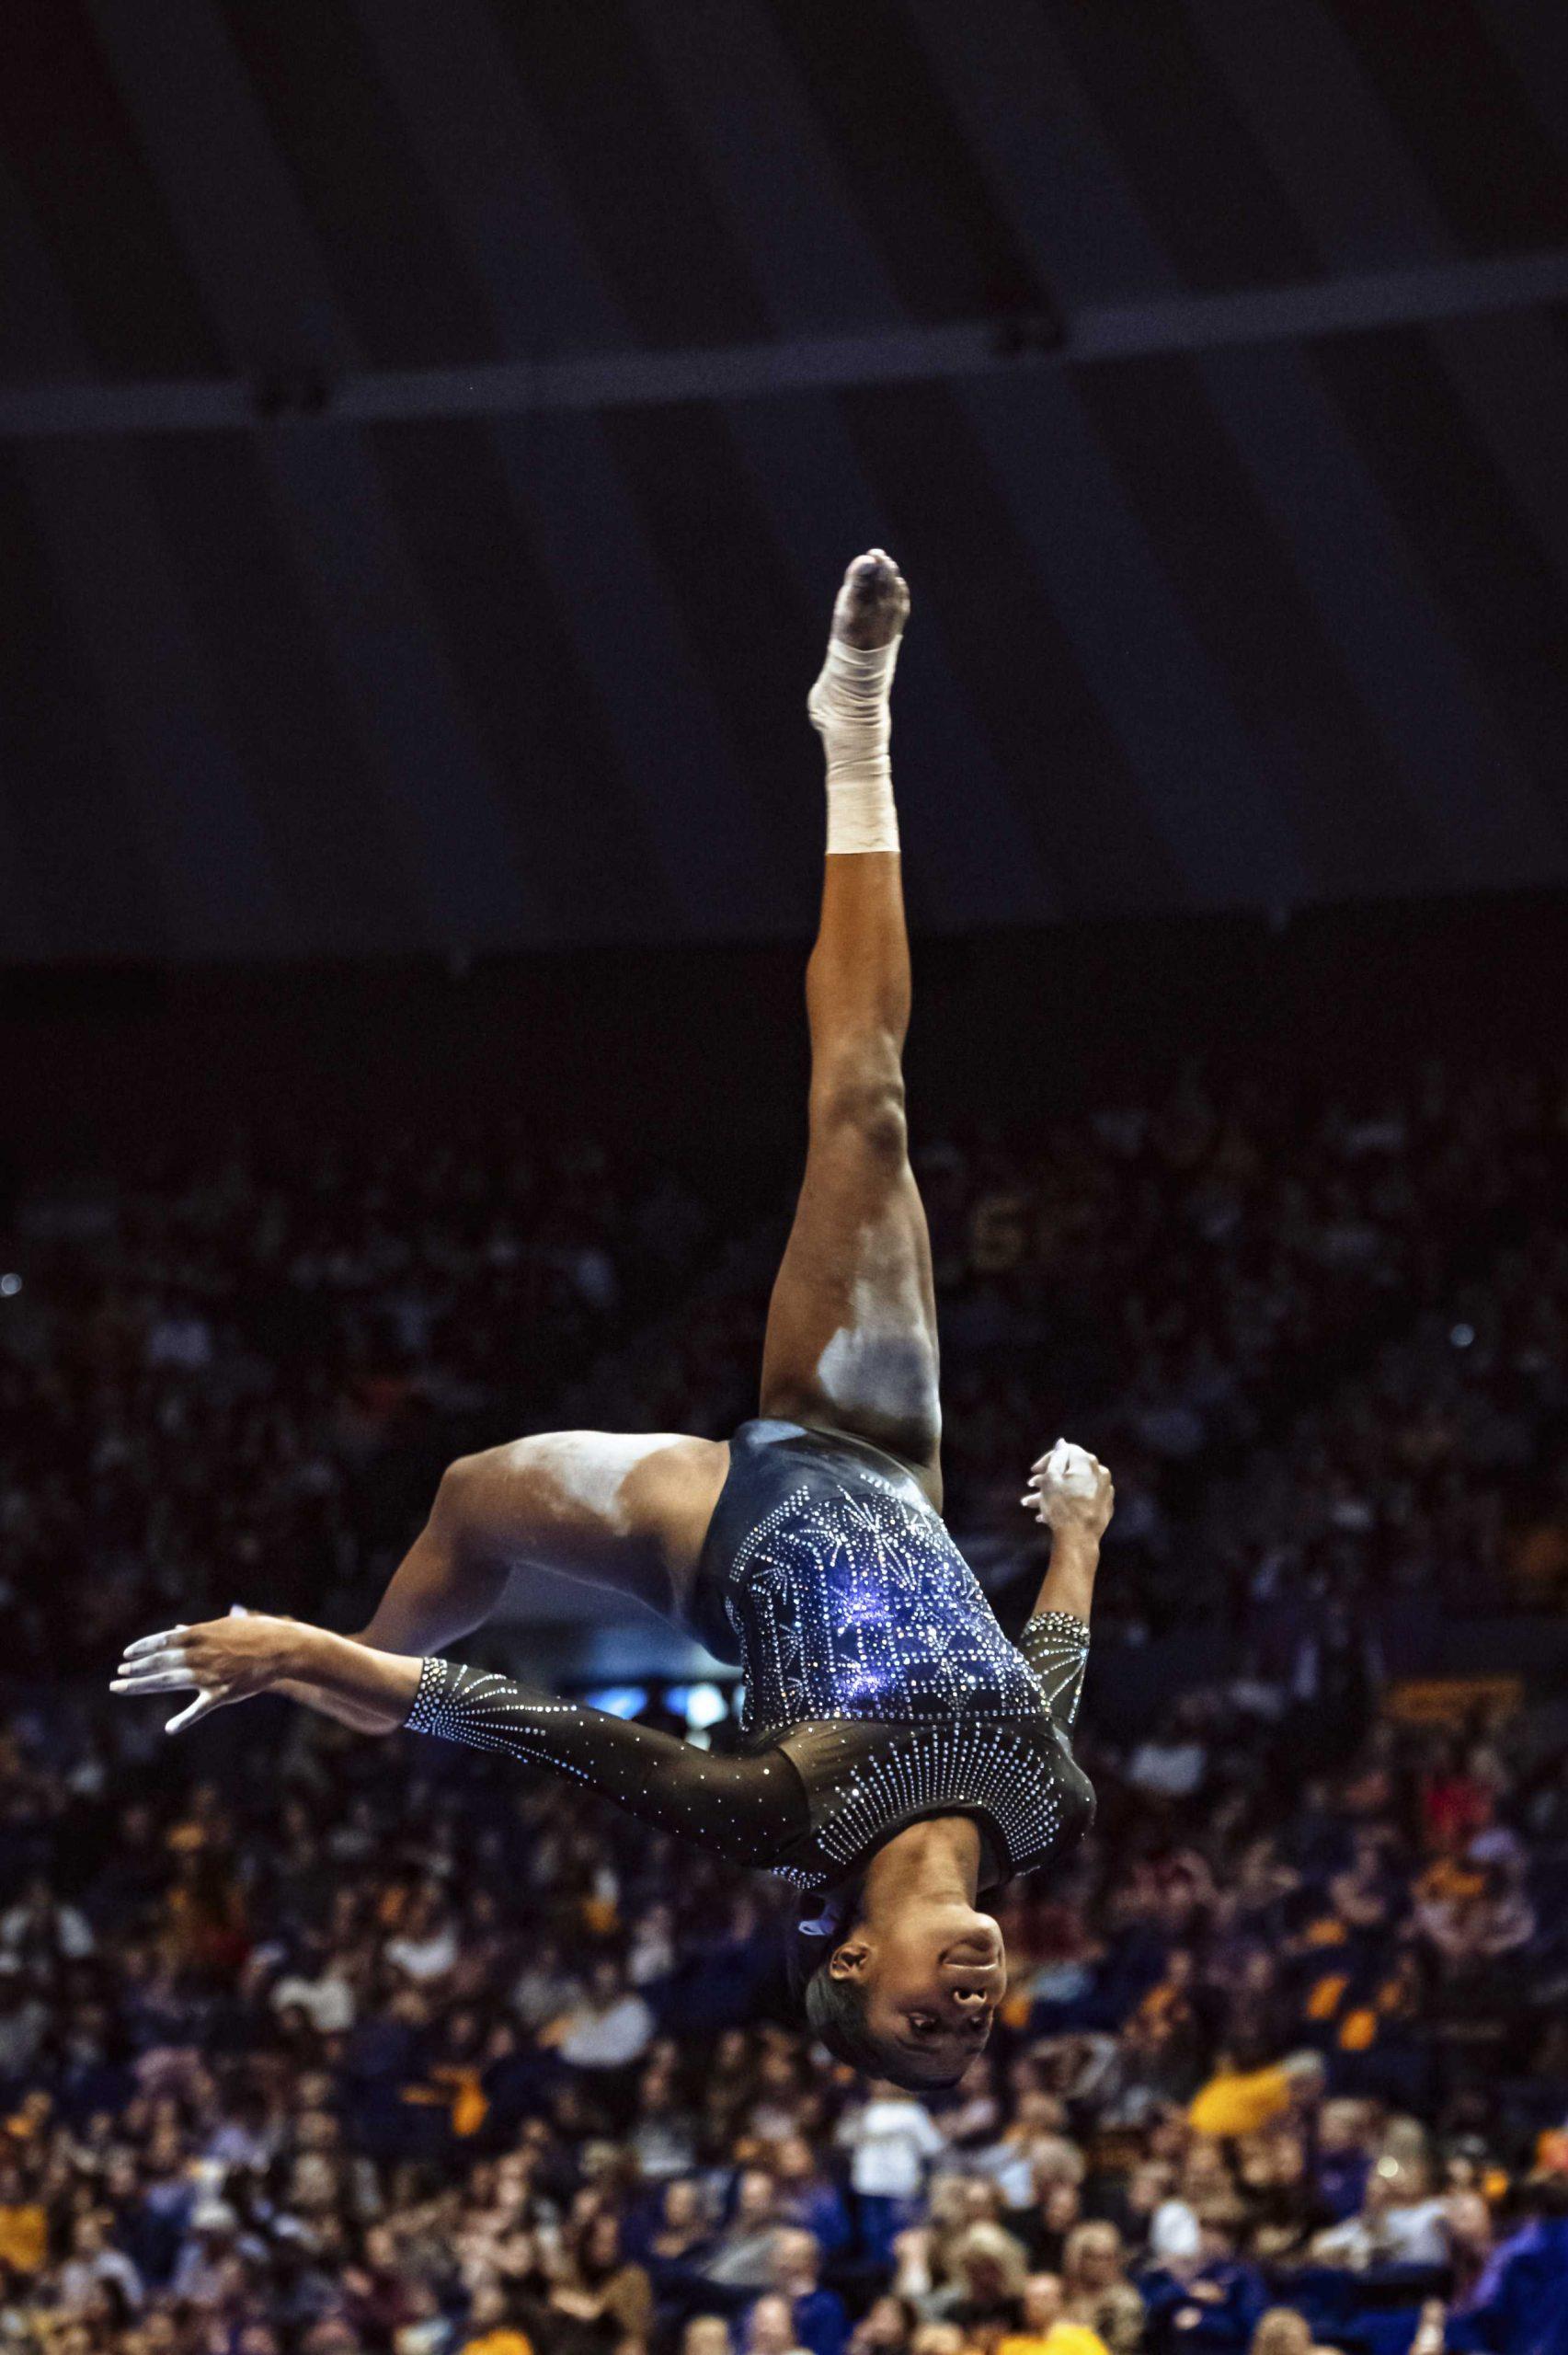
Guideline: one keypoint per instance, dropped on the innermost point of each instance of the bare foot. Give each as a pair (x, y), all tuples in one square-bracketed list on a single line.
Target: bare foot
[(873, 603), (848, 706)]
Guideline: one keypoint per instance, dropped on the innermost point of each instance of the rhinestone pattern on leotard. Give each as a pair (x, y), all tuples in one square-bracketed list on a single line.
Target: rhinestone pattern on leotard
[(857, 1603), (1055, 1645), (741, 1808), (879, 1687), (1024, 1788)]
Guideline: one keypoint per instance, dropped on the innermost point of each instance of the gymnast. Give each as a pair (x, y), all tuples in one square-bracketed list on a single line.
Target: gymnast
[(899, 1757)]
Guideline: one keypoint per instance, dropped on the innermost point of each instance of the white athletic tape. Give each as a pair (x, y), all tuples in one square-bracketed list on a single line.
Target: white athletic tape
[(851, 711)]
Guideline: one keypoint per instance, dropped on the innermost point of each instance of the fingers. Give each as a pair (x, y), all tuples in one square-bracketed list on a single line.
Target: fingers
[(154, 1672), (203, 1705), (1064, 1471), (153, 1643), (168, 1671), (1066, 1460), (155, 1664), (183, 1657)]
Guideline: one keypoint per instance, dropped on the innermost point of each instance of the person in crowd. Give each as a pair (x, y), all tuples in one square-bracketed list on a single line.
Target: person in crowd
[(1401, 2219), (807, 2194), (892, 2141), (886, 2328), (681, 2239), (1201, 2295), (610, 2026), (598, 2298), (1282, 2331), (1096, 2291), (94, 2260), (493, 2326), (1519, 2305), (818, 2316), (985, 2269), (743, 2252), (770, 2328), (1044, 2328), (706, 2335)]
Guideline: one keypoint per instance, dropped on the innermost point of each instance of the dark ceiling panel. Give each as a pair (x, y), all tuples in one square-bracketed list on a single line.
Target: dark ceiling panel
[(745, 617), (591, 859), (537, 677), (1473, 546), (947, 244), (1183, 142), (635, 179), (326, 816), (1465, 116), (405, 287), (77, 163), (72, 818), (1343, 790)]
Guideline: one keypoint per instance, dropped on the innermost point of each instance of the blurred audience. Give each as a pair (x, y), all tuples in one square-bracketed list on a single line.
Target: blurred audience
[(316, 2046)]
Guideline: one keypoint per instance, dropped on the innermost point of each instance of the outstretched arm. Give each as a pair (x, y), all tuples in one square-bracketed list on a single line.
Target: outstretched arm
[(251, 1652), (742, 1808), (1071, 1493)]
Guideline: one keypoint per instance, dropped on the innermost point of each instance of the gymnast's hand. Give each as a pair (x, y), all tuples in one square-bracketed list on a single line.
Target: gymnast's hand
[(225, 1659), (1070, 1490)]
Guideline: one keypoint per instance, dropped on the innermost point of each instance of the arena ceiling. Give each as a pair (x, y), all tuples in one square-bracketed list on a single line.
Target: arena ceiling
[(430, 436)]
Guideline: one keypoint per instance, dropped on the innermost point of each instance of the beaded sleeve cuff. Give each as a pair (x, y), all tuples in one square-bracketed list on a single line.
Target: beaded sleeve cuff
[(1055, 1645), (428, 1695)]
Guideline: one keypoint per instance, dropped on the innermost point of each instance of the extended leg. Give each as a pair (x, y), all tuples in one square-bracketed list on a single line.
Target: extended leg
[(852, 1331)]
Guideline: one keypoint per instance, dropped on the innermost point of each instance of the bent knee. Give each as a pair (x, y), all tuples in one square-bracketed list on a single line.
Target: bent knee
[(457, 1494), (866, 1105)]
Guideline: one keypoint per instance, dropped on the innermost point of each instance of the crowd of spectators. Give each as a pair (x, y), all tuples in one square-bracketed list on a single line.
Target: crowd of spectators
[(1322, 1342), (250, 1374), (316, 2046)]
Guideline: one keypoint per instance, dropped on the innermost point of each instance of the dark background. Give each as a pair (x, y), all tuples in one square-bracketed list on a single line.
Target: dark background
[(429, 440), (698, 1056), (329, 630)]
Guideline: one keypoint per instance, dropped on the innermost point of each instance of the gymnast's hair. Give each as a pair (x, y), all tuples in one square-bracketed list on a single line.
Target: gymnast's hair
[(835, 2012)]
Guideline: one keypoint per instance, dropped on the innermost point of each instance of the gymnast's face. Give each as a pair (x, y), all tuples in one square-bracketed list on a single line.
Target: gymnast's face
[(931, 1980)]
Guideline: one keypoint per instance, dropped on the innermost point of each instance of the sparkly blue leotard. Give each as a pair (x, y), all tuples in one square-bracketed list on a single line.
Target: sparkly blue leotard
[(879, 1687)]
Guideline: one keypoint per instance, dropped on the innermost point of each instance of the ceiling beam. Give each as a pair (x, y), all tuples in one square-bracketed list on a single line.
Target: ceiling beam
[(633, 379)]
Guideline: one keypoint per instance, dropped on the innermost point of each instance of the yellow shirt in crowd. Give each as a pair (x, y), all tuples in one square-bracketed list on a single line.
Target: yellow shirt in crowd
[(1062, 2339), (23, 2236), (502, 2340), (1240, 2104)]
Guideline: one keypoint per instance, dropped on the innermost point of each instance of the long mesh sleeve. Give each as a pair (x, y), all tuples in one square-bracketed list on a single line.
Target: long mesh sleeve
[(744, 1809), (1055, 1645)]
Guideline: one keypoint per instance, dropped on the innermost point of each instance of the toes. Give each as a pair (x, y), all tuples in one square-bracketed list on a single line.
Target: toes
[(874, 602), (874, 575)]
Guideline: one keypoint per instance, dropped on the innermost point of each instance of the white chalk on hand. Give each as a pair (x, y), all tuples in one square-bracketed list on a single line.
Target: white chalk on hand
[(1070, 1469)]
